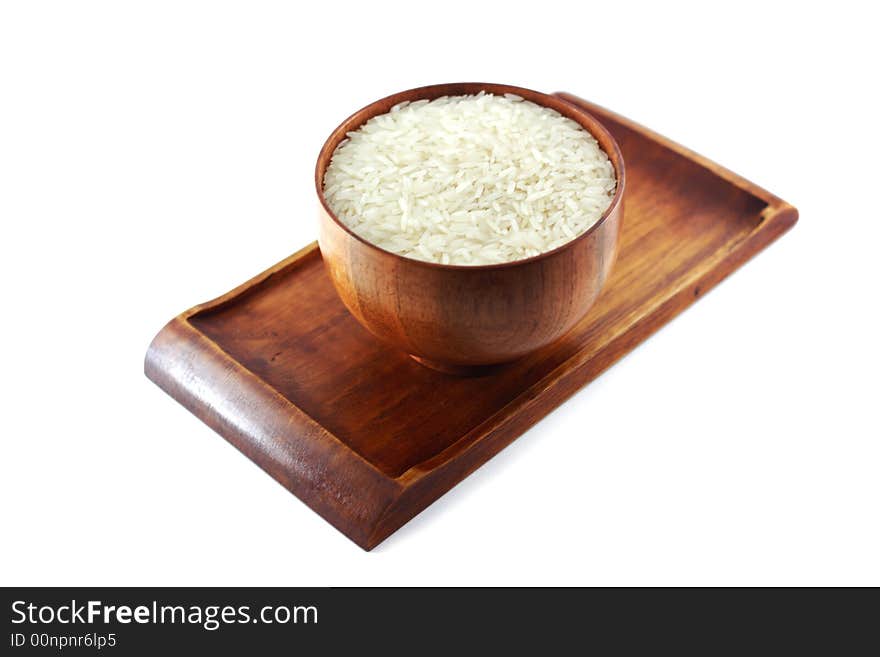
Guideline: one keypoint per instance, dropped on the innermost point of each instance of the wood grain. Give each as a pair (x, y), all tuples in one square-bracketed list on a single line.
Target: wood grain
[(461, 319), (367, 437)]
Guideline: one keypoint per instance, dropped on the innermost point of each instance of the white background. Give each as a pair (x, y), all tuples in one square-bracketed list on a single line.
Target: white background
[(153, 155)]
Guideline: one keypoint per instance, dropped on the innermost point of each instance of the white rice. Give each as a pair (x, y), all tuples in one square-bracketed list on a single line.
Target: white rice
[(469, 180)]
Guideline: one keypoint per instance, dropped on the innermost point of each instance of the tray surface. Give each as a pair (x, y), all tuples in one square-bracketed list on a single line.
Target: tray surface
[(366, 436)]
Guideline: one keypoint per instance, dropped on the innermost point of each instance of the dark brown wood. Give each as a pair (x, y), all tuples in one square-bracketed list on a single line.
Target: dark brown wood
[(461, 319), (367, 437)]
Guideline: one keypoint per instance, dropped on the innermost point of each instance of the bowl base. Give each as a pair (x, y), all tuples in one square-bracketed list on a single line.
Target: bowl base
[(458, 370)]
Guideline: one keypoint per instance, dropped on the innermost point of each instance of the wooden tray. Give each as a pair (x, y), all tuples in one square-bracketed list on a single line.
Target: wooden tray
[(367, 437)]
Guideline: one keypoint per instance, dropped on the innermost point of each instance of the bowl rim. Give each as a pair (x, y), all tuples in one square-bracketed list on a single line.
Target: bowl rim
[(580, 116)]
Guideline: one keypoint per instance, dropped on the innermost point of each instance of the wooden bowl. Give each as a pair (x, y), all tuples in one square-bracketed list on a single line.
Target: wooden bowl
[(465, 319)]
